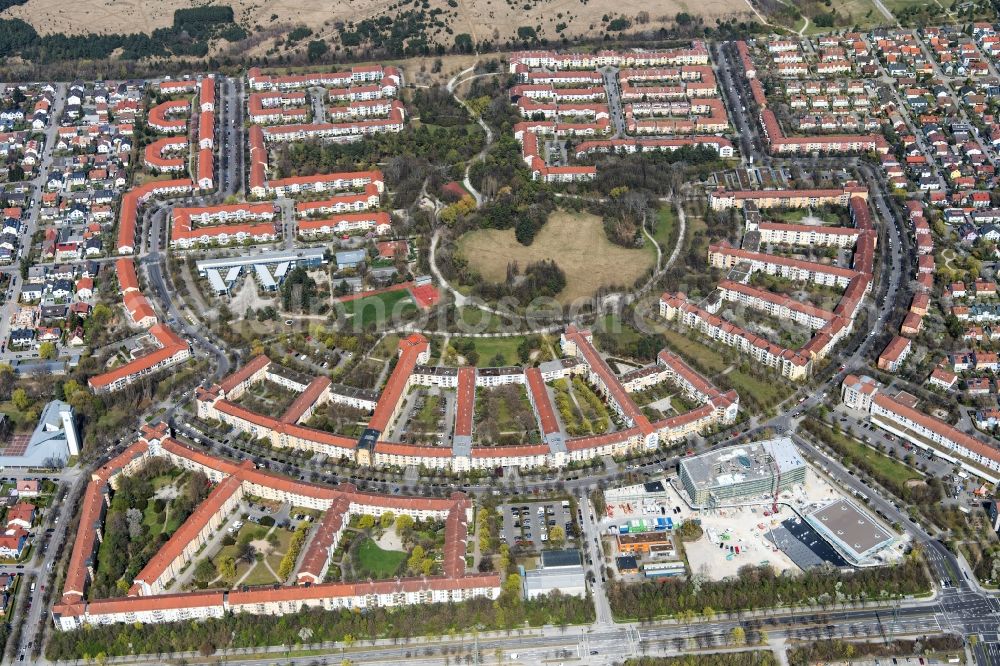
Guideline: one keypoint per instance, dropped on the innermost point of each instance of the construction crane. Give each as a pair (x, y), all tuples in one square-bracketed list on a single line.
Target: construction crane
[(777, 485)]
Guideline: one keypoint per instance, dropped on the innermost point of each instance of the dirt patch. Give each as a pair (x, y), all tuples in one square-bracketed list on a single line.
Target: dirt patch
[(483, 19), (390, 540), (249, 296), (261, 546), (575, 241)]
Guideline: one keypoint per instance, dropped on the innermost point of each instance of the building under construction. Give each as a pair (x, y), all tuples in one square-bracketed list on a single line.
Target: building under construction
[(736, 474)]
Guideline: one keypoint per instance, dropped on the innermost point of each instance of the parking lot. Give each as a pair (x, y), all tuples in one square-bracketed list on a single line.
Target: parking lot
[(524, 526), (426, 413)]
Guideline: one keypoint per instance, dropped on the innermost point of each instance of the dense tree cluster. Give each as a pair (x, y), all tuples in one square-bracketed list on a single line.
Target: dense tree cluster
[(745, 658), (658, 172), (839, 650), (298, 291), (760, 587), (398, 34), (441, 146), (437, 106), (624, 213), (541, 279), (502, 167), (190, 34), (128, 542), (639, 347)]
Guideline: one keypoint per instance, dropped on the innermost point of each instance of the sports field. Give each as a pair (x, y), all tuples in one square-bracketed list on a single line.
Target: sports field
[(575, 241)]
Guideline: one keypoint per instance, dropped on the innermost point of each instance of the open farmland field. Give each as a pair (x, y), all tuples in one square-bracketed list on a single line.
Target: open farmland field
[(482, 19), (575, 241)]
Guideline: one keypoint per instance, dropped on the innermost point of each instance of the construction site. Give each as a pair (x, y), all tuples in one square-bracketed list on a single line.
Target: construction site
[(731, 475), (756, 504)]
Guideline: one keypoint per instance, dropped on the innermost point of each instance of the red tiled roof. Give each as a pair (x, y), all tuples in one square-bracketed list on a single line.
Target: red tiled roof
[(258, 157), (410, 348), (747, 255), (233, 380), (510, 451), (189, 529), (465, 402), (318, 551), (206, 90), (127, 279), (305, 400), (894, 349), (171, 343), (374, 176), (413, 450), (609, 378), (540, 398), (138, 307), (777, 299), (158, 114), (378, 218), (809, 228), (134, 198), (946, 431)]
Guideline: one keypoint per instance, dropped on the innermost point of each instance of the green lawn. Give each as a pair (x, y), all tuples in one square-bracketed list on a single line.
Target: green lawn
[(377, 563), (665, 229), (386, 348), (480, 321), (888, 467), (623, 331), (173, 476), (260, 575), (767, 392), (23, 421), (490, 347), (706, 357), (427, 417), (381, 307)]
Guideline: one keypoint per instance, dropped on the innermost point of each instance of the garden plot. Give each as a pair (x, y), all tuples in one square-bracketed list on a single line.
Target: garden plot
[(504, 416), (581, 409), (267, 397)]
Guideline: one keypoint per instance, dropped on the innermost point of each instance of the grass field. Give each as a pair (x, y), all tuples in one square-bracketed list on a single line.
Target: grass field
[(381, 307), (260, 575), (480, 321), (426, 418), (490, 347), (665, 229), (684, 346), (883, 464), (862, 13), (577, 243), (23, 421), (377, 563), (766, 391)]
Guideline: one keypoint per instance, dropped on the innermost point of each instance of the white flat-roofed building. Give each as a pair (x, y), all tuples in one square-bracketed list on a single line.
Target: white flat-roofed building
[(852, 532)]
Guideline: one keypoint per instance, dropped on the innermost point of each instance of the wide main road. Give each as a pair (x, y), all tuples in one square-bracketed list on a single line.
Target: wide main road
[(607, 644)]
